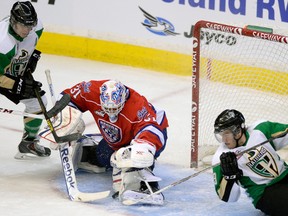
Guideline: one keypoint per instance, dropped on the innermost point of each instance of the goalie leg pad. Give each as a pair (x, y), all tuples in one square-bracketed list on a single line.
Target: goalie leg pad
[(136, 184), (67, 121), (117, 179)]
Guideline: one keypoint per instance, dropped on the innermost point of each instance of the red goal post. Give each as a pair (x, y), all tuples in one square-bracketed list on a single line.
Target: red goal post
[(231, 61)]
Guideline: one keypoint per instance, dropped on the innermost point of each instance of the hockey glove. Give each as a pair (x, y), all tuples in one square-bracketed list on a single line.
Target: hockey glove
[(32, 63), (229, 166), (24, 87)]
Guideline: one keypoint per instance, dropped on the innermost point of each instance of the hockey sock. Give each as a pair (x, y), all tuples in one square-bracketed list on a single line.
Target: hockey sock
[(31, 127)]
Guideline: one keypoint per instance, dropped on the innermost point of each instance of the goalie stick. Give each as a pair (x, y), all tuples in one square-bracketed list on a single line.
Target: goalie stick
[(51, 88), (133, 202), (59, 105), (68, 168), (71, 182)]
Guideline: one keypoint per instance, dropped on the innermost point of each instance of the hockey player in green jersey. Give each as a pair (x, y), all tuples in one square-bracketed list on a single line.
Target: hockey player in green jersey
[(260, 171), (19, 34)]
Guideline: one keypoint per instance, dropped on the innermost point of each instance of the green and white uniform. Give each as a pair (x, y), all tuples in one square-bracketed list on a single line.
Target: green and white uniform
[(261, 166), (14, 56)]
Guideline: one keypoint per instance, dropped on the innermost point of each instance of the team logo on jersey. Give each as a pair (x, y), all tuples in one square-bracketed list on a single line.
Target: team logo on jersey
[(86, 86), (111, 132), (262, 163), (18, 65), (23, 55), (142, 113)]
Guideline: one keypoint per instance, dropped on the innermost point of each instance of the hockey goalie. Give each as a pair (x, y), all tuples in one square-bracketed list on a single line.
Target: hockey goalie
[(133, 133)]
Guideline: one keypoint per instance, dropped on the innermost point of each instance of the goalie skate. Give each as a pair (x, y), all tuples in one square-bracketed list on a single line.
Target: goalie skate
[(138, 187), (144, 195), (30, 149)]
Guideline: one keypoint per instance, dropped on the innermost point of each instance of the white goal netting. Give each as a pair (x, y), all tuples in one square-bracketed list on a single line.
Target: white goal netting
[(236, 68)]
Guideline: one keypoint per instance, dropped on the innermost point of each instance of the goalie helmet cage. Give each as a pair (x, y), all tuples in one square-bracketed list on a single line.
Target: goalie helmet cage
[(235, 68)]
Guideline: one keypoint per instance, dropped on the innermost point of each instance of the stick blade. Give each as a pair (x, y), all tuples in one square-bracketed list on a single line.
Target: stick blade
[(67, 138), (59, 106), (89, 197)]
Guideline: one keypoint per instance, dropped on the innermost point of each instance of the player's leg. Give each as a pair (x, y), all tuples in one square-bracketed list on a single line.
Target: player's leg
[(274, 200), (29, 144), (92, 154)]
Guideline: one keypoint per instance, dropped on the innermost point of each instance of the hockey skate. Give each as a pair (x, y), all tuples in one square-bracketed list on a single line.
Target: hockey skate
[(143, 195), (30, 148)]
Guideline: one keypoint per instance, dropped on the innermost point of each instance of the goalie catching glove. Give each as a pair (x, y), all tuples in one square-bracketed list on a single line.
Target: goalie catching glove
[(139, 154)]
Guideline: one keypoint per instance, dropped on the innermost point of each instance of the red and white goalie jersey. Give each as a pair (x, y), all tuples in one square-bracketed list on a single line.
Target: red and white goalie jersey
[(138, 118)]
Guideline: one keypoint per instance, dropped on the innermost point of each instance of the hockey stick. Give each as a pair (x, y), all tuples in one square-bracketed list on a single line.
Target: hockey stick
[(71, 182), (132, 202), (51, 88), (68, 168), (59, 105), (20, 113)]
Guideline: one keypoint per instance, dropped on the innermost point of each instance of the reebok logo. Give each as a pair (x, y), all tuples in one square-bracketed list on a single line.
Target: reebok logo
[(70, 181)]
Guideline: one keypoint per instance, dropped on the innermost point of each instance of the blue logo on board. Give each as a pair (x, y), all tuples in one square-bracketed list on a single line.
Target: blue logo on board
[(158, 25)]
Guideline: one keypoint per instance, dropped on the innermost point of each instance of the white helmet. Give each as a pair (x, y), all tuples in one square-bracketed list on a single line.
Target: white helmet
[(113, 95)]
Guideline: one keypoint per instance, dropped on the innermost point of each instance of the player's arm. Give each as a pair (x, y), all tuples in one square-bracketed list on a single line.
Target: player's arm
[(269, 129), (22, 86), (148, 139), (149, 129), (226, 177), (152, 134), (70, 118), (5, 82), (77, 95), (4, 63)]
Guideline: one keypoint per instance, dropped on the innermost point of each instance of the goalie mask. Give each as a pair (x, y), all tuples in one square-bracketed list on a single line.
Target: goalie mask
[(229, 123), (113, 95), (23, 13)]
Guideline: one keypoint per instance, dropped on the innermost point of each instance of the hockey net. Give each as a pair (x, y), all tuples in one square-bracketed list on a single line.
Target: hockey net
[(235, 68)]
